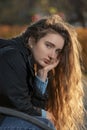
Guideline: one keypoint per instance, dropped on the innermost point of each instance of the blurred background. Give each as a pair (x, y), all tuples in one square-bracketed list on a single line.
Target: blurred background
[(24, 11), (16, 15)]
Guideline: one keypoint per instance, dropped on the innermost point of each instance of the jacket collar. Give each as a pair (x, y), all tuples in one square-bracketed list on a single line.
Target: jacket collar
[(19, 42)]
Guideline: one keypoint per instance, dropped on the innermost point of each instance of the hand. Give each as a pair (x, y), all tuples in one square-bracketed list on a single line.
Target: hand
[(43, 72)]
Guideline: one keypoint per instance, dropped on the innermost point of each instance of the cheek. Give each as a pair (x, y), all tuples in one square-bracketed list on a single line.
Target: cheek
[(38, 52), (41, 50), (56, 57)]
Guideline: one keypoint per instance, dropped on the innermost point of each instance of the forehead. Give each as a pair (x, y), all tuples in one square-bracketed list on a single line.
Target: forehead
[(56, 39)]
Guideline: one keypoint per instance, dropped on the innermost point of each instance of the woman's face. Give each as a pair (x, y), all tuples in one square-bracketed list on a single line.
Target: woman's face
[(47, 49)]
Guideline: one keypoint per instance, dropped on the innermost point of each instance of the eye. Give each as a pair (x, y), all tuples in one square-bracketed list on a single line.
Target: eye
[(49, 46)]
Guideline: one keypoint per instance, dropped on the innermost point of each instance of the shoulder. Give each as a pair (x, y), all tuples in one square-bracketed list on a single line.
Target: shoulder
[(6, 47), (14, 48), (4, 42), (14, 61)]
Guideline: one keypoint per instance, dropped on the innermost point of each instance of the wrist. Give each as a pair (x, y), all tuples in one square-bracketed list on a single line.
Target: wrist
[(42, 75)]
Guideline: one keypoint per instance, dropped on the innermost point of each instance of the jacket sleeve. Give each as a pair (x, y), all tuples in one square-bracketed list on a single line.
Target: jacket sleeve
[(14, 79)]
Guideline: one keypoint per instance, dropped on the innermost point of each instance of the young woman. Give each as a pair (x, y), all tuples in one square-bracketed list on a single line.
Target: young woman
[(40, 69)]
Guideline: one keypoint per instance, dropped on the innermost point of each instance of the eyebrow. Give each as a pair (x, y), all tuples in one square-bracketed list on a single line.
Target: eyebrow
[(59, 49)]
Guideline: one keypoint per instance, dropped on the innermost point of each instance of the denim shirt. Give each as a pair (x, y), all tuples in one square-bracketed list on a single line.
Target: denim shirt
[(42, 88), (40, 84)]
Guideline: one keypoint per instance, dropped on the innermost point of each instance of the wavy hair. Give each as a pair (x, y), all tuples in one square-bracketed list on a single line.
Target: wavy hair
[(65, 89)]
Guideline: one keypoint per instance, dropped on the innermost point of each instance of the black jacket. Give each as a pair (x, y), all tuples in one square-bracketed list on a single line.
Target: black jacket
[(17, 88)]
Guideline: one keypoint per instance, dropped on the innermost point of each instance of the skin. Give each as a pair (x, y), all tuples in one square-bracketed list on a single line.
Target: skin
[(46, 53)]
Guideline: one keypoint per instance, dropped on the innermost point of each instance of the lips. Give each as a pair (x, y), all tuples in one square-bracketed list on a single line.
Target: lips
[(47, 61)]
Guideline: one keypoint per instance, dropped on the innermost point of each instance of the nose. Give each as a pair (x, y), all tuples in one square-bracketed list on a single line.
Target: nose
[(52, 55)]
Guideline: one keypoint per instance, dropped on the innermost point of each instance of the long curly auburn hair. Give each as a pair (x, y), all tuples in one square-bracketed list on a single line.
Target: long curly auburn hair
[(65, 89)]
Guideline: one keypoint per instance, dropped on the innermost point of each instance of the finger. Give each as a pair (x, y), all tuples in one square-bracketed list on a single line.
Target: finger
[(51, 66)]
